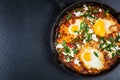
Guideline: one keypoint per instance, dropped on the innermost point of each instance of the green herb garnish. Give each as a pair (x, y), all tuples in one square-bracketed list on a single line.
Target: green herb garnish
[(92, 23), (102, 40), (111, 39), (90, 7), (75, 51), (118, 52), (82, 25), (86, 29), (95, 11), (109, 46), (75, 31), (66, 48), (113, 54), (106, 12), (77, 39), (89, 37), (117, 39), (101, 46), (96, 54), (69, 16), (87, 14), (68, 58)]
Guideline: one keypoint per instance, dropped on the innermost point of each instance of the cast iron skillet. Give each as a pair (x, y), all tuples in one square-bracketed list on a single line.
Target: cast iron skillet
[(55, 25)]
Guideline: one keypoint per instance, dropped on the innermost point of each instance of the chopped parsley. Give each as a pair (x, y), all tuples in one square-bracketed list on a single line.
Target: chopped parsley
[(96, 54), (85, 28), (111, 39), (75, 51), (118, 52), (68, 58), (87, 14), (118, 38), (89, 37), (113, 55), (92, 22), (66, 48), (109, 46), (106, 12), (82, 25), (90, 7), (69, 16), (102, 40), (95, 11)]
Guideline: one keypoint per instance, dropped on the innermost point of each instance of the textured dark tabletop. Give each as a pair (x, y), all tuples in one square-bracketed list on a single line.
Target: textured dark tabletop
[(25, 53)]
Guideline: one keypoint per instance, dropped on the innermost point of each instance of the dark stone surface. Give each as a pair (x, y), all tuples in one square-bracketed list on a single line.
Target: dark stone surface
[(25, 53)]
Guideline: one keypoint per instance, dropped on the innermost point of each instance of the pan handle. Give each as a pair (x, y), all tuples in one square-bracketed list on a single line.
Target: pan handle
[(63, 3)]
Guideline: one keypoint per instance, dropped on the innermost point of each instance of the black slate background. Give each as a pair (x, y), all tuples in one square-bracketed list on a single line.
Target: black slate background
[(25, 53)]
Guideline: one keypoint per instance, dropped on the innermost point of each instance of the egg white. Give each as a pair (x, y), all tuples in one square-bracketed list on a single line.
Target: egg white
[(77, 23), (107, 24), (96, 62)]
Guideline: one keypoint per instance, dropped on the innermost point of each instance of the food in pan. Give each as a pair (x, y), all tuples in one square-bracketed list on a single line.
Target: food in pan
[(88, 40)]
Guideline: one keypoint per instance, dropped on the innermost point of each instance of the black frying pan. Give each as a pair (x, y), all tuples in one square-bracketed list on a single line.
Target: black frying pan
[(60, 16)]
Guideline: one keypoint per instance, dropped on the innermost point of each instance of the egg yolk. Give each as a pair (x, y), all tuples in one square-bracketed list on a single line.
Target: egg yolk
[(87, 56), (74, 28), (99, 28)]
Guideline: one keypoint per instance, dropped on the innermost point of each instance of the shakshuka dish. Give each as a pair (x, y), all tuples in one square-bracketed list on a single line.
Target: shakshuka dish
[(88, 40)]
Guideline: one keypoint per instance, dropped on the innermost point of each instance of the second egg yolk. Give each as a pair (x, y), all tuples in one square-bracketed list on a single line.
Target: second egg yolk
[(87, 56), (99, 28)]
